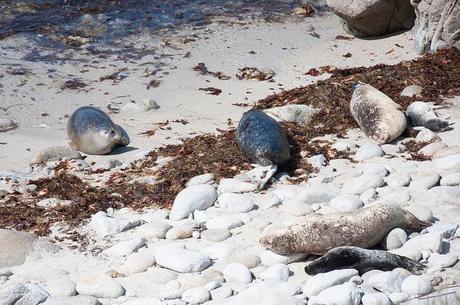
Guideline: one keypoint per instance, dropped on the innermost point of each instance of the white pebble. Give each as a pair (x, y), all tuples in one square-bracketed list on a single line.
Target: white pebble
[(346, 203), (125, 248), (426, 135), (138, 262), (278, 272), (236, 272), (361, 184), (180, 232), (196, 295), (155, 229), (317, 161), (416, 285), (345, 294), (394, 239), (319, 282), (200, 179), (368, 151), (197, 197), (182, 260), (235, 203), (216, 235), (100, 287), (450, 180), (376, 299)]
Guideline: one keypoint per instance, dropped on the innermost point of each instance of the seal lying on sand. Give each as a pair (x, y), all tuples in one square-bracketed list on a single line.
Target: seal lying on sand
[(262, 139), (365, 228), (377, 115), (91, 131), (362, 260)]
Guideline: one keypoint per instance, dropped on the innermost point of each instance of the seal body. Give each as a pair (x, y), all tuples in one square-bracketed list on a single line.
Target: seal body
[(365, 228), (377, 115), (262, 139), (423, 114), (362, 260), (91, 131)]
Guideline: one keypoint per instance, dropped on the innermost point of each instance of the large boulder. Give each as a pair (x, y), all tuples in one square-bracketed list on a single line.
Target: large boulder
[(437, 25), (15, 246), (366, 18)]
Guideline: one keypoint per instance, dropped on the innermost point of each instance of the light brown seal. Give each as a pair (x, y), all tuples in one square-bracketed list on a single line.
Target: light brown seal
[(365, 228)]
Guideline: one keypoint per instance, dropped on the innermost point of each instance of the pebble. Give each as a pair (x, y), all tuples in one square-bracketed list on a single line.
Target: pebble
[(249, 260), (182, 260), (219, 250), (451, 162), (376, 299), (267, 293), (212, 285), (235, 203), (143, 105), (425, 180), (138, 262), (200, 179), (225, 222), (426, 135), (16, 246), (431, 149), (197, 197), (269, 258), (237, 272), (155, 229), (144, 301), (215, 235), (447, 194), (394, 239), (54, 153), (447, 230), (125, 248), (346, 203), (368, 151), (344, 146), (361, 184), (387, 282), (7, 124), (399, 196), (319, 282), (62, 287), (368, 196), (413, 247), (345, 294), (397, 180), (180, 232), (421, 212), (442, 260), (100, 287), (50, 203), (277, 272), (297, 207), (200, 216), (412, 90), (229, 185), (196, 295), (416, 285), (374, 169), (106, 226), (450, 180), (317, 161), (73, 300), (448, 151), (221, 293), (390, 149)]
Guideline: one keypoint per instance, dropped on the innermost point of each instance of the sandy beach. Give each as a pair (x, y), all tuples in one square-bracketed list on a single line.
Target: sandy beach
[(179, 216)]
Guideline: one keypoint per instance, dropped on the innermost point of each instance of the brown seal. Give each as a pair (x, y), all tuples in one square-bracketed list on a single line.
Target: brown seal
[(365, 228)]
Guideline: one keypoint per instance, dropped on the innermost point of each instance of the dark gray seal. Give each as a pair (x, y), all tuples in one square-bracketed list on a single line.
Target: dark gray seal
[(91, 131), (362, 260), (262, 139)]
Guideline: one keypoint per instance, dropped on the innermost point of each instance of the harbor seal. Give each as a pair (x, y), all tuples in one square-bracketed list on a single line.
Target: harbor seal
[(377, 115), (316, 234), (262, 139), (91, 131), (362, 260)]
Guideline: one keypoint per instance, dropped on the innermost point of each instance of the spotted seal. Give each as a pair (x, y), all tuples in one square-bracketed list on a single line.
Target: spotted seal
[(262, 139), (380, 118), (362, 260), (91, 131), (316, 234)]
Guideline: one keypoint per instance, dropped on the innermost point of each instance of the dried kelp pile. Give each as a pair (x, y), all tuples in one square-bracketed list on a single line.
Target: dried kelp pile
[(438, 74)]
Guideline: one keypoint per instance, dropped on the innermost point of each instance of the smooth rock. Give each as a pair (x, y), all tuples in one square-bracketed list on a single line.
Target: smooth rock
[(344, 294), (229, 185), (410, 91), (221, 293), (394, 239), (55, 153), (269, 258), (249, 260), (139, 106), (15, 247), (296, 207), (235, 203), (319, 282), (368, 151), (442, 260), (397, 180), (62, 287), (299, 114), (376, 299), (182, 260), (225, 222), (197, 197), (416, 285), (346, 203), (200, 179), (73, 300), (278, 272), (125, 248), (155, 229), (447, 194), (361, 184), (415, 245), (219, 251), (236, 272), (421, 212), (180, 232), (374, 169), (450, 180), (317, 161), (426, 135), (431, 149), (450, 162), (106, 226), (425, 180), (100, 287), (387, 282), (53, 203), (138, 262), (216, 235), (390, 149), (196, 295), (267, 293)]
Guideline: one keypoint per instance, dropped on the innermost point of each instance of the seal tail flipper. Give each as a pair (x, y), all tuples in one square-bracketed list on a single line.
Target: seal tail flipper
[(415, 224), (409, 264)]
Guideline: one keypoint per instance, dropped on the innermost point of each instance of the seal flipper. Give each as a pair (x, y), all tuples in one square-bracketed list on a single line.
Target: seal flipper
[(362, 260)]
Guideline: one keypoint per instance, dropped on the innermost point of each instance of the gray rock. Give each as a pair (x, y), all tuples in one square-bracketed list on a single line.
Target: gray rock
[(390, 149), (436, 25), (236, 272), (225, 222), (221, 293), (317, 161), (235, 203), (216, 235), (267, 293), (197, 197), (100, 287), (15, 247), (139, 106), (366, 18), (361, 184), (447, 194), (431, 242), (374, 169), (397, 179), (394, 239), (106, 226), (410, 91), (138, 262), (296, 207), (269, 258), (442, 260), (53, 202), (125, 248), (344, 294), (182, 260), (368, 151), (35, 295), (423, 114)]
